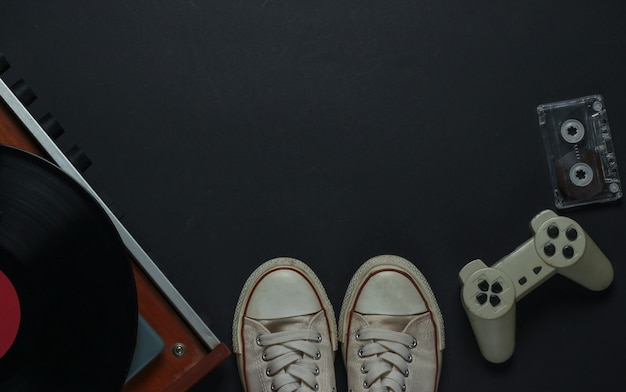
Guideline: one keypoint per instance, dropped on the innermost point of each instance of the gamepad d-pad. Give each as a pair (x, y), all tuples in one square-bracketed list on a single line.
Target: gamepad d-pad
[(488, 293)]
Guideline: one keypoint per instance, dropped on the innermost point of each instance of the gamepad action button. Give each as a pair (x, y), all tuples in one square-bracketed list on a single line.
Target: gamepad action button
[(496, 288), (482, 298), (568, 251), (571, 234), (553, 231), (483, 285), (494, 300), (549, 249)]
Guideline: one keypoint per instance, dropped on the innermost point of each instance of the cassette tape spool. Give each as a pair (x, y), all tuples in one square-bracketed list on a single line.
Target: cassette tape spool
[(580, 152)]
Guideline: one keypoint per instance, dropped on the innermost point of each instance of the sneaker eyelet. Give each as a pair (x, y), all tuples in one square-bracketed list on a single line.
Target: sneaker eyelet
[(316, 387), (406, 373), (264, 356), (318, 355), (317, 371), (413, 344), (360, 353), (363, 369), (410, 358), (319, 338), (358, 335), (258, 340), (365, 385), (404, 387), (268, 372), (272, 387)]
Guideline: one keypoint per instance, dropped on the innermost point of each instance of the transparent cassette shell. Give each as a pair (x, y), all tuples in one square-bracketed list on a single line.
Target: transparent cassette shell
[(579, 148)]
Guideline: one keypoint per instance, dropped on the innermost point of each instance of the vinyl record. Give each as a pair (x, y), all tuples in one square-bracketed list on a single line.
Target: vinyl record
[(68, 305)]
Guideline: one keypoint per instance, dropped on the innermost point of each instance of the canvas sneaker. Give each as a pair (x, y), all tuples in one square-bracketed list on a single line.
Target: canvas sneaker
[(391, 329), (284, 330)]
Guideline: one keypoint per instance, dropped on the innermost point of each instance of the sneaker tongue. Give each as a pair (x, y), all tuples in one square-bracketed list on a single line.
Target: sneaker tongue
[(391, 323), (295, 323)]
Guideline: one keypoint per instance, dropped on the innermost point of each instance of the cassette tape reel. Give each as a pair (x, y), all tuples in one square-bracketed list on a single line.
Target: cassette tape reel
[(580, 151)]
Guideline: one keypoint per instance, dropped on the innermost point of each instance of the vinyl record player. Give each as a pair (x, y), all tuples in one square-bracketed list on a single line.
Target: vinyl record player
[(117, 306)]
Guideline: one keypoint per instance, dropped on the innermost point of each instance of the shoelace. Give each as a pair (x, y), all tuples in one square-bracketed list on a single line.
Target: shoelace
[(386, 358), (291, 357)]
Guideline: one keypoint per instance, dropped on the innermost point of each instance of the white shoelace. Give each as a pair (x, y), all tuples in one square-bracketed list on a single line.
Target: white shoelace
[(291, 357), (386, 358)]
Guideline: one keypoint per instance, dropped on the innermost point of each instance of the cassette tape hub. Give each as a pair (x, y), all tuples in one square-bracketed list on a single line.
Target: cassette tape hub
[(580, 153)]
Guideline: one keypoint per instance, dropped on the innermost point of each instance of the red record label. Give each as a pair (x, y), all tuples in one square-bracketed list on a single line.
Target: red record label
[(9, 314)]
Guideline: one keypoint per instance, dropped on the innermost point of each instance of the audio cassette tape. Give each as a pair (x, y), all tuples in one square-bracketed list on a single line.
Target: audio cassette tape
[(580, 152)]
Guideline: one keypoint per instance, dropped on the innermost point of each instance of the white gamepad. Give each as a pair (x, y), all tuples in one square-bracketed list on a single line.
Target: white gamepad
[(489, 294)]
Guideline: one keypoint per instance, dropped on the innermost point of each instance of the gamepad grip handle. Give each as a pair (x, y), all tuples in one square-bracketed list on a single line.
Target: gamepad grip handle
[(593, 271), (488, 296), (495, 337)]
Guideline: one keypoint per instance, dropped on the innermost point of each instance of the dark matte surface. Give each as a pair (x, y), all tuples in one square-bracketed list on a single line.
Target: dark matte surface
[(230, 132)]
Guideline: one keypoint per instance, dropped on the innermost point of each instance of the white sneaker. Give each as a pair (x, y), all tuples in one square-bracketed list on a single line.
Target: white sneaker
[(391, 329), (284, 330)]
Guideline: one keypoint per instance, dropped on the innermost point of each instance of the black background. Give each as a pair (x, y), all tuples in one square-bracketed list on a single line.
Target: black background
[(232, 132)]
